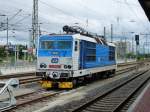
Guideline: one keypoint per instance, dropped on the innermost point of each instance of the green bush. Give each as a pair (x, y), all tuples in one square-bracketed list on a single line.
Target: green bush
[(2, 52)]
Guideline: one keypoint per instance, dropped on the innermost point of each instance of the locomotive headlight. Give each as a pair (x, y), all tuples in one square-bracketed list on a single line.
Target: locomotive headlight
[(43, 65), (65, 66), (69, 66)]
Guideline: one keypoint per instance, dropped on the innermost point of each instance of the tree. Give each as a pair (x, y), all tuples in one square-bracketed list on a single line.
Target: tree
[(2, 53)]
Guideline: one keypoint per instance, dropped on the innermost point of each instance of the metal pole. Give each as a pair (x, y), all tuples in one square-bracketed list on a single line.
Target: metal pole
[(111, 32), (136, 58), (104, 32), (147, 42), (137, 52), (35, 32), (15, 54), (40, 31), (87, 23), (143, 49), (7, 31), (132, 45), (125, 49)]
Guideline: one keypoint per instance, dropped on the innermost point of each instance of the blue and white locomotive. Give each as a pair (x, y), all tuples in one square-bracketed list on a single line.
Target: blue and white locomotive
[(64, 60)]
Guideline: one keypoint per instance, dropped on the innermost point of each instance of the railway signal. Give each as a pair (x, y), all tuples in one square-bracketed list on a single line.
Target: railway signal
[(137, 39)]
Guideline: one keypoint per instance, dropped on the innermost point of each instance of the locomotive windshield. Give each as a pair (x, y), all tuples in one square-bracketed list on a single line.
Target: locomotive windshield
[(56, 44)]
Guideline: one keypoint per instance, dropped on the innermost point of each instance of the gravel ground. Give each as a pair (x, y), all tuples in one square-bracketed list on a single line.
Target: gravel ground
[(72, 98), (66, 101)]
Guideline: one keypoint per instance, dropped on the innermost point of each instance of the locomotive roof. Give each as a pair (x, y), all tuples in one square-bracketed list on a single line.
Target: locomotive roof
[(82, 37)]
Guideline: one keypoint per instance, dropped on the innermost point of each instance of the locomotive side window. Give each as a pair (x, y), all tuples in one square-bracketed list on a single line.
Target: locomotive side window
[(111, 53), (90, 51)]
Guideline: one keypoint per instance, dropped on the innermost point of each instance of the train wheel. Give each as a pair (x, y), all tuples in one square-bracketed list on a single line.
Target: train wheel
[(113, 72), (106, 74), (109, 74), (74, 82)]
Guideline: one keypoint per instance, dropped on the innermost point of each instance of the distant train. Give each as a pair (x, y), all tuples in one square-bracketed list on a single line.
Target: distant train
[(65, 60)]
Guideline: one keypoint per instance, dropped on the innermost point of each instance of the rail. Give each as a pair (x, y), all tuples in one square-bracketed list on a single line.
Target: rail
[(32, 98), (113, 99)]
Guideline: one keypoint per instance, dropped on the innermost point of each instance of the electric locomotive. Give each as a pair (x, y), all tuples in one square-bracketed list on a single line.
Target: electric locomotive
[(77, 56)]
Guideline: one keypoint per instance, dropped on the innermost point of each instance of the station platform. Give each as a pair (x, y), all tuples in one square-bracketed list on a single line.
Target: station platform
[(17, 70), (142, 103)]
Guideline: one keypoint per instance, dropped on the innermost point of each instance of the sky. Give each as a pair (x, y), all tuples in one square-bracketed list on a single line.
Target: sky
[(126, 16)]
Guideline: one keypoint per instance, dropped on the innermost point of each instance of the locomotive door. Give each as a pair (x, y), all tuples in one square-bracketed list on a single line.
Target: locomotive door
[(81, 60)]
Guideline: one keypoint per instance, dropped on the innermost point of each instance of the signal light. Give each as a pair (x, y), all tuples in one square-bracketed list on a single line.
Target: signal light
[(137, 39)]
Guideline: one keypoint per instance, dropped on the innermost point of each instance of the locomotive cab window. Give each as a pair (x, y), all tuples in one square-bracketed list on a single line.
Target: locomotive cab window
[(47, 45), (56, 44), (64, 44)]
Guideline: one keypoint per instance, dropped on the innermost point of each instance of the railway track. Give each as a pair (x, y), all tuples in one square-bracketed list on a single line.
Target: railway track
[(117, 96), (31, 79), (19, 75), (131, 63), (124, 70), (34, 97), (24, 78), (31, 98), (126, 64)]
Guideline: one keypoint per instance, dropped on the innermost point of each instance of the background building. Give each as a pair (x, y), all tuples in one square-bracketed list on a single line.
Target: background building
[(123, 48)]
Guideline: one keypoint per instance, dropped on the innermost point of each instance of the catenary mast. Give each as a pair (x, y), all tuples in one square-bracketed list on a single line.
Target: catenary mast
[(34, 23)]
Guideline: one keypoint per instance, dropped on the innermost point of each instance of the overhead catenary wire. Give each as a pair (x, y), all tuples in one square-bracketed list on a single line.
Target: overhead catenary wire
[(14, 15), (58, 9), (122, 2), (129, 6), (91, 10), (88, 8), (16, 23), (62, 11), (24, 18), (141, 21), (133, 11)]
